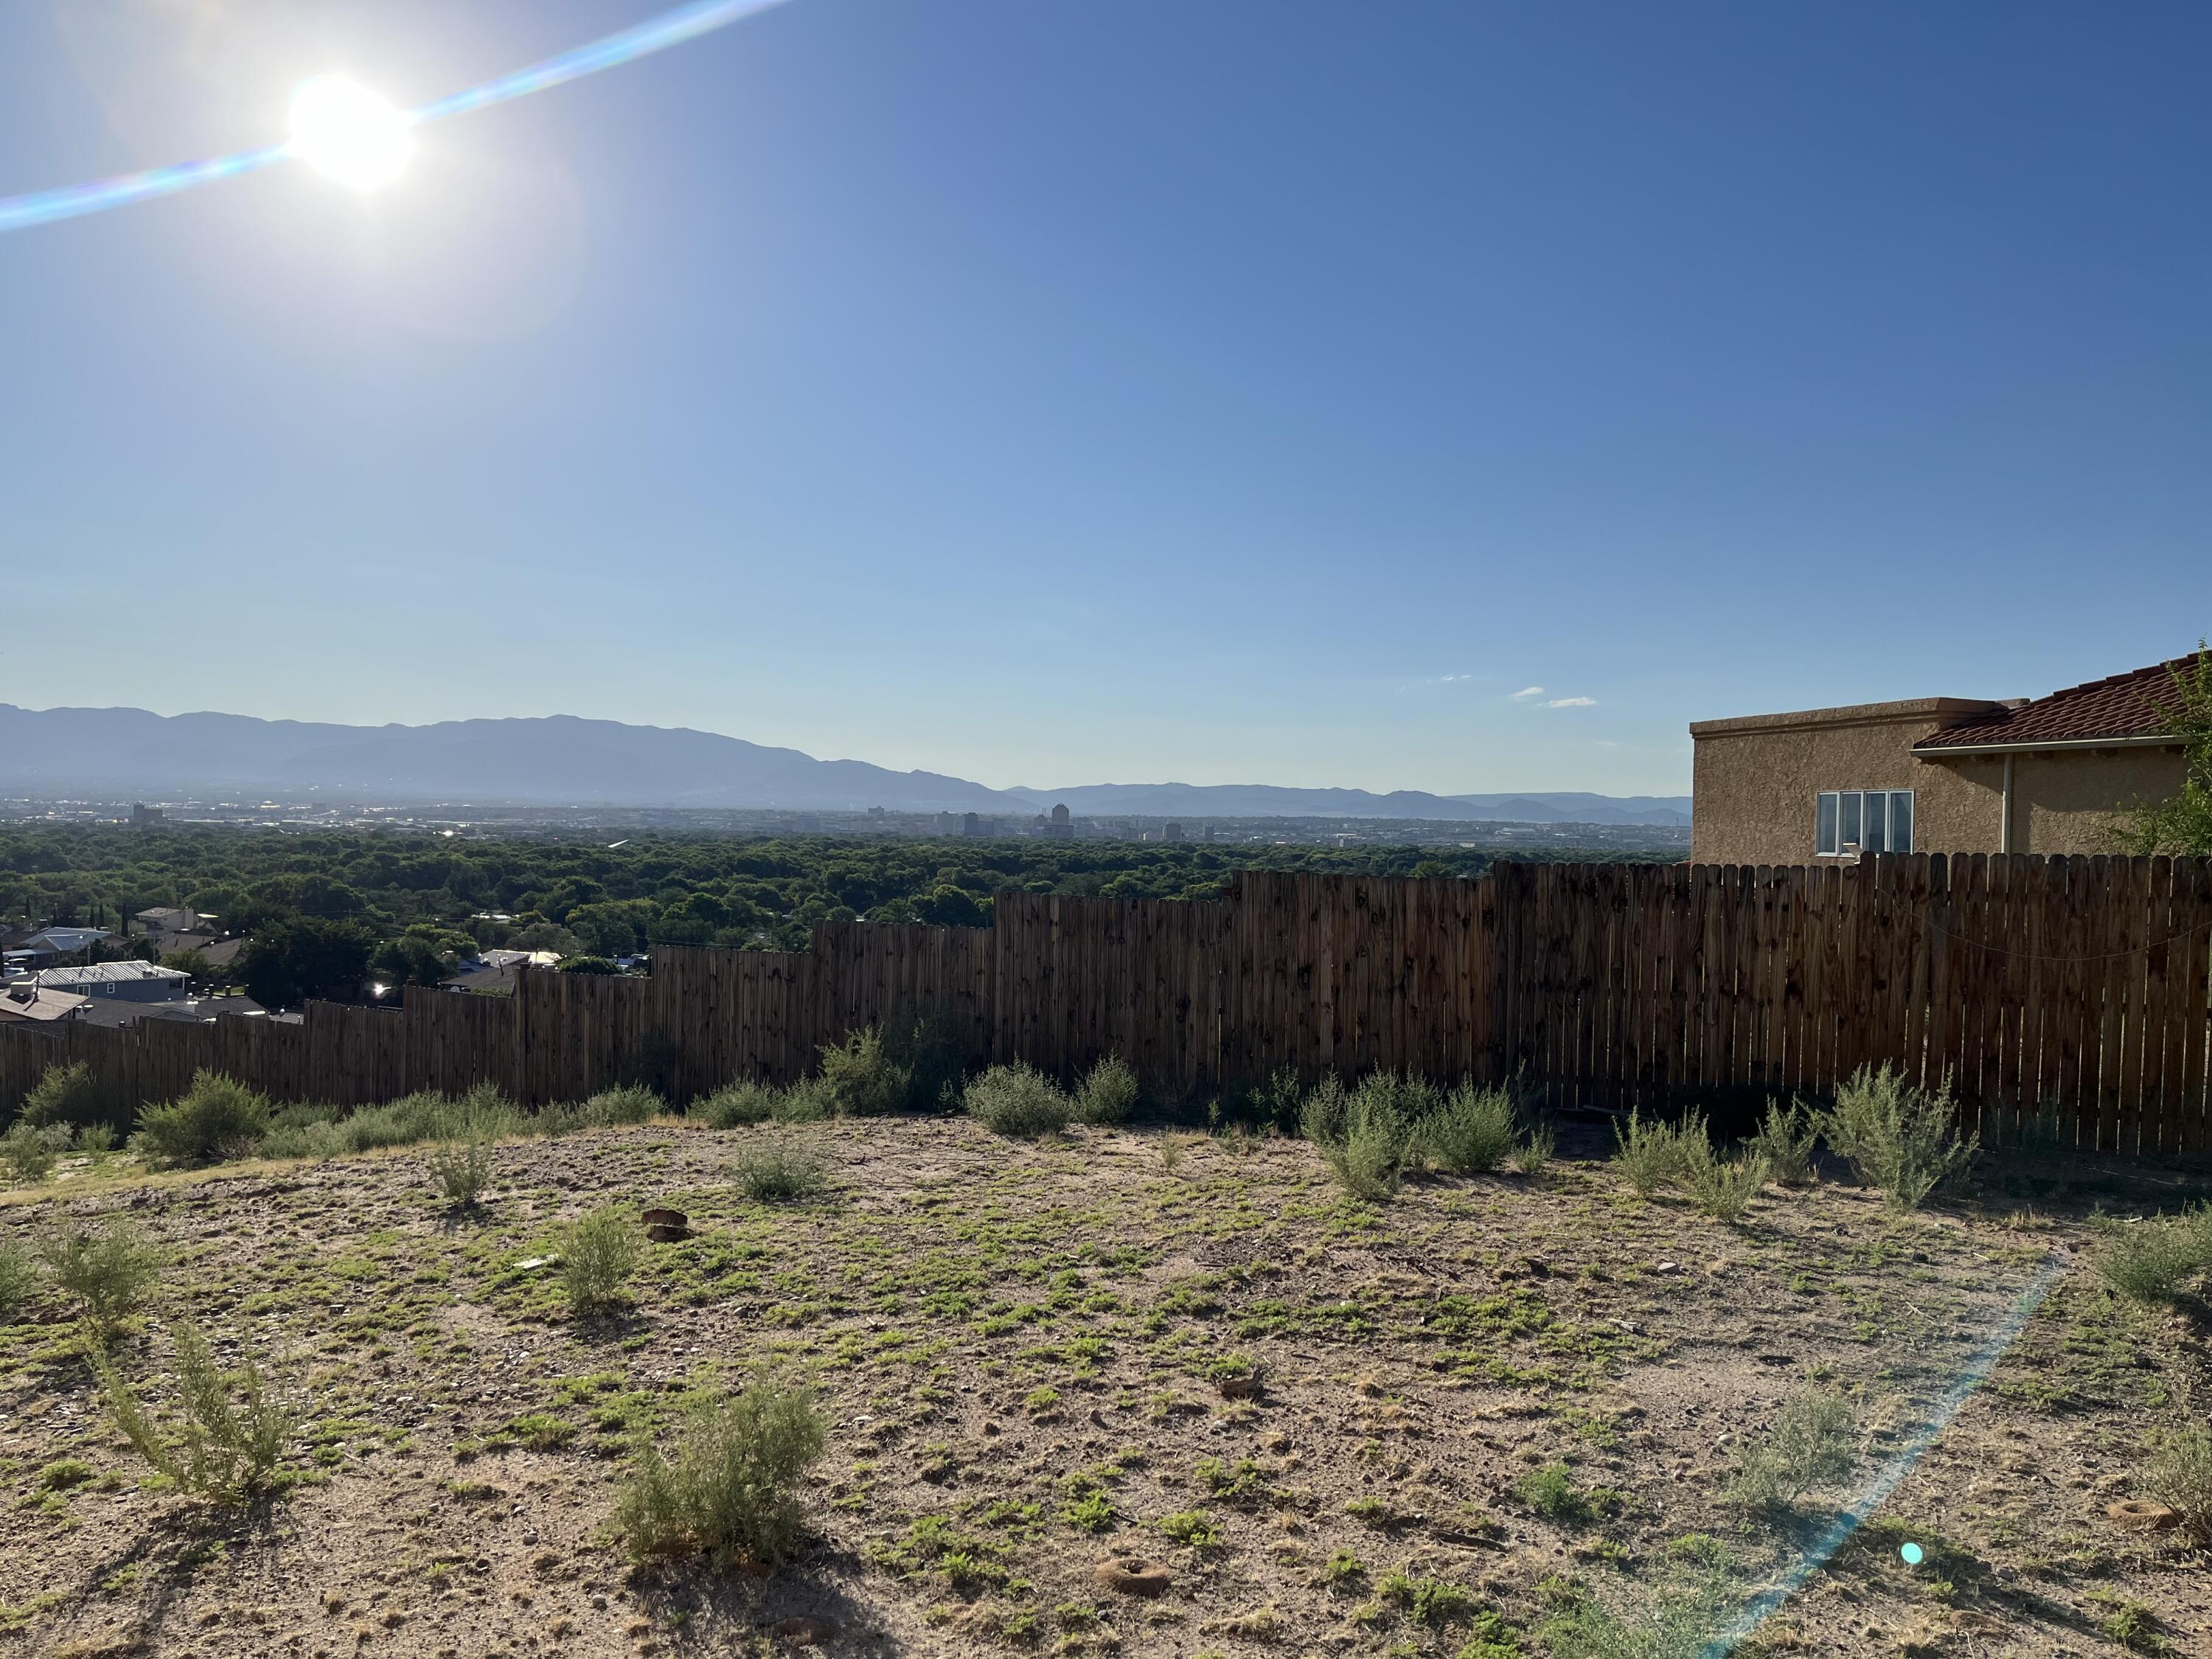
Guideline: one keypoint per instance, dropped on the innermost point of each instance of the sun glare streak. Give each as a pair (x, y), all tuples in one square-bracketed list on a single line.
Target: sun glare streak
[(351, 135)]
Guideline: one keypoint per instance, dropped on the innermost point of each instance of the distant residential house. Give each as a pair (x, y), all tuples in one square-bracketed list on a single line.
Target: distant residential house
[(27, 1003), (1936, 775), (123, 981), (49, 945), (116, 1013), (160, 923)]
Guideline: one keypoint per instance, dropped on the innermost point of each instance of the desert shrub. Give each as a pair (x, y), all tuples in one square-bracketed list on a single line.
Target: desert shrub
[(1376, 1133), (2153, 1260), (599, 1252), (1474, 1130), (461, 1168), (107, 1270), (1721, 1188), (1652, 1155), (1786, 1138), (218, 1117), (1535, 1151), (2179, 1476), (217, 1450), (650, 1065), (1018, 1101), (626, 1103), (96, 1137), (1901, 1138), (731, 1489), (28, 1153), (1275, 1103), (861, 1079), (1108, 1093), (18, 1280), (736, 1104), (1322, 1111), (406, 1121), (807, 1101), (1814, 1442), (929, 1047), (66, 1094), (779, 1170)]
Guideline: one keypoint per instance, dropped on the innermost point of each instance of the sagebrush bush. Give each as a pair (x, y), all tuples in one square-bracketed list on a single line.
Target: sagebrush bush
[(861, 1079), (28, 1154), (1786, 1138), (930, 1048), (628, 1103), (1900, 1137), (778, 1169), (1721, 1188), (18, 1280), (1321, 1111), (736, 1104), (462, 1168), (1475, 1129), (218, 1450), (1814, 1442), (1652, 1155), (2179, 1476), (600, 1251), (1108, 1093), (1376, 1133), (1535, 1151), (807, 1101), (731, 1489), (65, 1093), (108, 1269), (2153, 1260), (1017, 1100), (1277, 1103), (218, 1117)]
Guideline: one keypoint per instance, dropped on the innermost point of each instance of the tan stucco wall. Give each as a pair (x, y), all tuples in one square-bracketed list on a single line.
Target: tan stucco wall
[(1755, 788), (2062, 801)]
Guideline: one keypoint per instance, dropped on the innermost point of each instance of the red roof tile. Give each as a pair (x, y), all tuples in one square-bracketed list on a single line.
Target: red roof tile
[(2134, 705)]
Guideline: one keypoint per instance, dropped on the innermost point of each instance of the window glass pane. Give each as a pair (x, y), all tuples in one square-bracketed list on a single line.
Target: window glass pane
[(1824, 825), (1871, 839), (1848, 830), (1901, 820)]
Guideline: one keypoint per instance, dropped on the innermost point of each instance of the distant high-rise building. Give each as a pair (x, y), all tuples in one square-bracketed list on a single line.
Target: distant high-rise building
[(973, 825), (142, 815), (1059, 826), (1174, 832)]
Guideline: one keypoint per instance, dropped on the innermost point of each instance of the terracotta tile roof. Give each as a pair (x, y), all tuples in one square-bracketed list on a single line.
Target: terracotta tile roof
[(2133, 705)]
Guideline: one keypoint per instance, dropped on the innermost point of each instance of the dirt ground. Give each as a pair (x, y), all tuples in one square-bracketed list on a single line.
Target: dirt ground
[(1030, 1357)]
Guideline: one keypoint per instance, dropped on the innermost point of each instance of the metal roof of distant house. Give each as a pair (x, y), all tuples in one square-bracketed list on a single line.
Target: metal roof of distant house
[(105, 973), (36, 1005), (173, 921), (2123, 710), (68, 941)]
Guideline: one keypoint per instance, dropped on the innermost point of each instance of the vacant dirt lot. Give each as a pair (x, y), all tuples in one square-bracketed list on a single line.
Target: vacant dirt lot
[(1032, 1356)]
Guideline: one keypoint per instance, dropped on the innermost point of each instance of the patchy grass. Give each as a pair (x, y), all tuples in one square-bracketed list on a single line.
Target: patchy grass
[(1473, 1415)]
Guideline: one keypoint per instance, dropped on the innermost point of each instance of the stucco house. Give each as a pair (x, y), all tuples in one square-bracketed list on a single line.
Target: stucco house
[(1936, 775)]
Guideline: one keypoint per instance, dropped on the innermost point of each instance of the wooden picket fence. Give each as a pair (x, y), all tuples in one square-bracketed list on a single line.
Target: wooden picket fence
[(2069, 991)]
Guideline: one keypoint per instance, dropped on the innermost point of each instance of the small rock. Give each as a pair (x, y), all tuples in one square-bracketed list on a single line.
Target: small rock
[(2141, 1514), (1668, 1267), (1239, 1388)]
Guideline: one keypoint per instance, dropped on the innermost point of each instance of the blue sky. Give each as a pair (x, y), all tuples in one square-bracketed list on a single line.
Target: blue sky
[(1120, 389)]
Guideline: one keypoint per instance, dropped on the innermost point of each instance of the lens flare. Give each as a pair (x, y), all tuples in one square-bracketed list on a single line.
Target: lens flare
[(348, 133), (353, 136)]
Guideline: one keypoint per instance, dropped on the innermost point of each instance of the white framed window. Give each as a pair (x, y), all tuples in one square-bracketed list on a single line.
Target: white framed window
[(1848, 821)]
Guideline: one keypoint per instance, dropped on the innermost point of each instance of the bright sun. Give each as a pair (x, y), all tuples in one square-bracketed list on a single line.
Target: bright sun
[(348, 132)]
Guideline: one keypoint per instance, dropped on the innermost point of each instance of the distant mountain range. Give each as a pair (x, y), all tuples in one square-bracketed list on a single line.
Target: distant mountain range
[(562, 761)]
